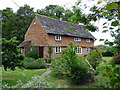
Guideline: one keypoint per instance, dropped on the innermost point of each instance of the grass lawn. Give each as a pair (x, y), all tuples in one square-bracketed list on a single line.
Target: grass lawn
[(62, 82), (11, 77)]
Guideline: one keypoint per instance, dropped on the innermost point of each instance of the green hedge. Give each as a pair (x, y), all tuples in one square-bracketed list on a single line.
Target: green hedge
[(30, 63)]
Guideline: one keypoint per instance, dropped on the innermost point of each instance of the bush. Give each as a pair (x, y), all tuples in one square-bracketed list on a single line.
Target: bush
[(94, 58), (79, 74), (30, 63), (71, 65), (28, 59), (32, 54), (116, 60), (59, 66), (111, 71)]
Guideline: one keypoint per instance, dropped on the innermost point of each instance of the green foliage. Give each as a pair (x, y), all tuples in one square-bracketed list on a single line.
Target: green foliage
[(71, 65), (59, 66), (79, 74), (28, 59), (116, 60), (30, 63), (112, 72), (11, 56), (32, 54), (15, 24), (95, 58), (106, 50), (50, 51), (35, 82), (110, 12)]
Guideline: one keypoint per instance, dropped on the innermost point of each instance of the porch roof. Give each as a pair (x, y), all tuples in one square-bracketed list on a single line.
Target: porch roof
[(24, 43)]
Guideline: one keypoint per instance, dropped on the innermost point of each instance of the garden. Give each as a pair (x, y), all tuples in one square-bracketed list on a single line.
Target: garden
[(68, 71)]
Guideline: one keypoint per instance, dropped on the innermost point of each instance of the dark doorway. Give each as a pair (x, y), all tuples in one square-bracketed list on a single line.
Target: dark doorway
[(40, 52)]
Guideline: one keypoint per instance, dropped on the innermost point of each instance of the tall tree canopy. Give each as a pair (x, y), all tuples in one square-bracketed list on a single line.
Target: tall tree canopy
[(16, 24)]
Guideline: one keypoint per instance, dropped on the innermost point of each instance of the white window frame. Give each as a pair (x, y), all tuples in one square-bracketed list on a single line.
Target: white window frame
[(87, 40), (88, 49), (78, 50), (77, 39), (31, 48), (21, 50), (58, 49), (57, 37)]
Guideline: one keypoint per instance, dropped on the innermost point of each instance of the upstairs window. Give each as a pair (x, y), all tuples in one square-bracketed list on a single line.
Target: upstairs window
[(57, 37), (79, 50), (77, 39), (87, 40), (57, 49), (88, 49)]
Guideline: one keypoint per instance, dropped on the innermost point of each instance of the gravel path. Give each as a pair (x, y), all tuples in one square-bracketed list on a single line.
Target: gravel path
[(46, 73)]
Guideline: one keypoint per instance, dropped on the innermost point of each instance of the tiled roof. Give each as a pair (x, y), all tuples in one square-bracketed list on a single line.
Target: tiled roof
[(54, 26)]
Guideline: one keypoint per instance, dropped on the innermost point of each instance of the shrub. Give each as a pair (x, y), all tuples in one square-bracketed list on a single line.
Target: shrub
[(28, 59), (94, 58), (116, 59), (32, 54), (71, 65), (79, 74), (59, 66), (112, 72), (30, 63)]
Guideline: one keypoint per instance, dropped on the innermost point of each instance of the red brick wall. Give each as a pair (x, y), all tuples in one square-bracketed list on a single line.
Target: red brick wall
[(36, 34), (65, 40)]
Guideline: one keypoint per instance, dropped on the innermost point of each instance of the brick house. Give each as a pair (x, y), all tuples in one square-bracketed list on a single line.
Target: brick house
[(44, 32)]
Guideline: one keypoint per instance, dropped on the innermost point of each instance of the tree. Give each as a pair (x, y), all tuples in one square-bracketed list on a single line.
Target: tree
[(16, 24), (11, 56), (8, 26), (54, 11)]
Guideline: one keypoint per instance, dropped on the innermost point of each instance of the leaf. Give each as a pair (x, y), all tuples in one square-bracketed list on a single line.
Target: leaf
[(104, 23), (116, 70), (112, 82), (115, 23), (111, 28), (101, 40), (119, 16), (105, 13), (104, 31)]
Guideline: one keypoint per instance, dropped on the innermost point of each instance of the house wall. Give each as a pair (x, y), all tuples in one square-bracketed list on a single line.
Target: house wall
[(36, 34), (65, 40)]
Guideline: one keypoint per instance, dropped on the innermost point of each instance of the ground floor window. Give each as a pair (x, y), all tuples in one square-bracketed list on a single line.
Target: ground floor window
[(57, 49), (88, 49), (79, 50)]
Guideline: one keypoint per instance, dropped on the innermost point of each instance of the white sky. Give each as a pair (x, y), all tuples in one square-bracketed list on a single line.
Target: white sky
[(40, 4)]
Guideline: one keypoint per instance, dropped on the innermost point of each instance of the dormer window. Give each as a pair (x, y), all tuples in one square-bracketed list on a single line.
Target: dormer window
[(57, 37), (87, 40), (77, 39)]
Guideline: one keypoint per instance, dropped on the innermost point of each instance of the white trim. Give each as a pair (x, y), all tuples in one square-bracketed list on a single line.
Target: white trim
[(56, 38), (80, 49), (31, 48), (87, 40), (77, 39), (56, 49)]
